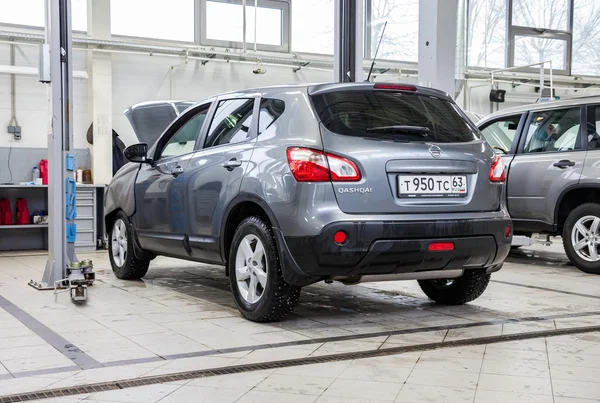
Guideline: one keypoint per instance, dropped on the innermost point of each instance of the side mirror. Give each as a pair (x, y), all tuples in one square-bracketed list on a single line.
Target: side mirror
[(137, 153)]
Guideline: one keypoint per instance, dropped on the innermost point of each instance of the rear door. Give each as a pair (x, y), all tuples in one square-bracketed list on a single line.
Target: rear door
[(216, 171), (435, 161), (549, 159), (159, 188)]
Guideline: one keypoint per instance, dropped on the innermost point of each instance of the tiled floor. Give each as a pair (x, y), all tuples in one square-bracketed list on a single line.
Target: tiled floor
[(181, 318)]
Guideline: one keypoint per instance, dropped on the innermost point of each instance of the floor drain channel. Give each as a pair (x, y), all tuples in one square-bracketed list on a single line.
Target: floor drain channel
[(153, 380)]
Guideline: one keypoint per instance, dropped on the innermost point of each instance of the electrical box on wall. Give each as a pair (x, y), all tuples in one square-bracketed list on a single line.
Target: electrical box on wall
[(15, 131)]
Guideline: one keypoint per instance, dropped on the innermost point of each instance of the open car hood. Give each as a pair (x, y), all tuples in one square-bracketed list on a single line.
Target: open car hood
[(150, 119)]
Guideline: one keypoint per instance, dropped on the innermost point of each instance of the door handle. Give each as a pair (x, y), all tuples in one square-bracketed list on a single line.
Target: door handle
[(232, 164), (562, 164), (177, 171)]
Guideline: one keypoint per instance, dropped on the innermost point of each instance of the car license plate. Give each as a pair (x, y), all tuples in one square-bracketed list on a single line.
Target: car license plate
[(432, 186)]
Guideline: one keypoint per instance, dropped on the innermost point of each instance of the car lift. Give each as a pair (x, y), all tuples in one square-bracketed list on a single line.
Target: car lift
[(63, 270)]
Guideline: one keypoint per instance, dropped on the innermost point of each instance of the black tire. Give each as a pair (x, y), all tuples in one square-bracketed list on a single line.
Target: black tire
[(278, 298), (588, 209), (131, 268), (461, 290)]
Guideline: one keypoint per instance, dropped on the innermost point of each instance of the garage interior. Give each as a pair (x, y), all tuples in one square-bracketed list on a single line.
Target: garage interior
[(176, 335)]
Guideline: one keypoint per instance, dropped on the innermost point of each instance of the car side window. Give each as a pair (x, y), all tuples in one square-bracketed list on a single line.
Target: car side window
[(270, 110), (593, 126), (184, 140), (501, 133), (231, 123), (553, 131)]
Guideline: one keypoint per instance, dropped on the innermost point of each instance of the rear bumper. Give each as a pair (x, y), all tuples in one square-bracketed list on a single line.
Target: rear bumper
[(393, 247)]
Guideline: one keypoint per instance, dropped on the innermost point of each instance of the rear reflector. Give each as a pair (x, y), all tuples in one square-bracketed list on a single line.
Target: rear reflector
[(395, 87), (507, 231), (498, 170), (309, 165), (340, 237), (441, 247)]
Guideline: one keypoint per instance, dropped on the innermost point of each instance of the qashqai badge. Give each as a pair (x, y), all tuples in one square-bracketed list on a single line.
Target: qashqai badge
[(435, 151)]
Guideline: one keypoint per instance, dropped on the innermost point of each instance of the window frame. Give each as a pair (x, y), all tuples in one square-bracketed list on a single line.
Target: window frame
[(252, 132), (282, 5), (518, 132), (514, 31), (579, 145)]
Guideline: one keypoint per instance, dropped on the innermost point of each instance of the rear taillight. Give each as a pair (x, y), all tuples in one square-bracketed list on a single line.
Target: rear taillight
[(395, 87), (498, 170), (309, 165)]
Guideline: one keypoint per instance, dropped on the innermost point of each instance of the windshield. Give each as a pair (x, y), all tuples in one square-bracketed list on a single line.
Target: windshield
[(357, 113)]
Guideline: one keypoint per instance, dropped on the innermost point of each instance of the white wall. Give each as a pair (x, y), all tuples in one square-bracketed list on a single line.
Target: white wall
[(31, 102), (138, 78)]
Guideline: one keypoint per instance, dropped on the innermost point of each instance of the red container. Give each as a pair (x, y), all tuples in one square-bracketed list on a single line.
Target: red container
[(44, 171), (22, 212)]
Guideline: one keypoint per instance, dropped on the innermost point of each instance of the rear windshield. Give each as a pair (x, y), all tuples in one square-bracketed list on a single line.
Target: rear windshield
[(357, 113)]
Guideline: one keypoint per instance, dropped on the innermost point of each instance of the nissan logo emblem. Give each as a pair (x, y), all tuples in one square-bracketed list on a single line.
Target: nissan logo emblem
[(435, 151)]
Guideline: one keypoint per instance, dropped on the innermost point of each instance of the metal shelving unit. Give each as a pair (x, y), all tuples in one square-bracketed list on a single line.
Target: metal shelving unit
[(21, 226), (89, 199)]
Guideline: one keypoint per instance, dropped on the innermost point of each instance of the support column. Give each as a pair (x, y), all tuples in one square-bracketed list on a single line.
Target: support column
[(349, 41), (100, 91), (437, 44), (61, 250)]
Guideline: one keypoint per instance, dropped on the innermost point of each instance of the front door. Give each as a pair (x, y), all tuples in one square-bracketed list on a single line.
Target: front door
[(160, 187), (216, 173), (550, 158)]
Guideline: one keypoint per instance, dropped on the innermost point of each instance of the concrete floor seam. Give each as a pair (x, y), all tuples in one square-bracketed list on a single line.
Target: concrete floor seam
[(188, 375), (535, 287), (62, 345)]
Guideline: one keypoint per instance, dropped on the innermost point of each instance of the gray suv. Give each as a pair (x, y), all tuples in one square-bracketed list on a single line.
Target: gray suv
[(287, 186), (553, 186)]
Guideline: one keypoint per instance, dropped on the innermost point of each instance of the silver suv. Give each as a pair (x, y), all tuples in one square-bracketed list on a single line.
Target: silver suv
[(553, 187), (291, 185)]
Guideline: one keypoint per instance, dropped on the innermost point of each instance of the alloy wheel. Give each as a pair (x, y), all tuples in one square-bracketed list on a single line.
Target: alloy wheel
[(251, 269), (119, 242), (585, 238)]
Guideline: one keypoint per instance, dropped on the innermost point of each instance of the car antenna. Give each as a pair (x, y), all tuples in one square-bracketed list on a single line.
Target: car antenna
[(376, 52)]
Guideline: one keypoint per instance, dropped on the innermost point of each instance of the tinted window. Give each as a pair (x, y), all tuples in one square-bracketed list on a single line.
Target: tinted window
[(270, 111), (353, 113), (184, 140), (552, 131), (231, 123), (501, 133), (593, 127)]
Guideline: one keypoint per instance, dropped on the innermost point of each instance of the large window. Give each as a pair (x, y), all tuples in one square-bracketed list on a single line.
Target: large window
[(487, 33), (318, 35), (530, 50), (586, 37), (158, 19), (223, 24), (507, 33), (401, 39), (32, 13)]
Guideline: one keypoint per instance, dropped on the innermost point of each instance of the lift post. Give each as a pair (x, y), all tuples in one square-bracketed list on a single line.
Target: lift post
[(62, 268)]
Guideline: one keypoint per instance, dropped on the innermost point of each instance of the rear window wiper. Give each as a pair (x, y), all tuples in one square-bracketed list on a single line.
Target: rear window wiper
[(423, 131)]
